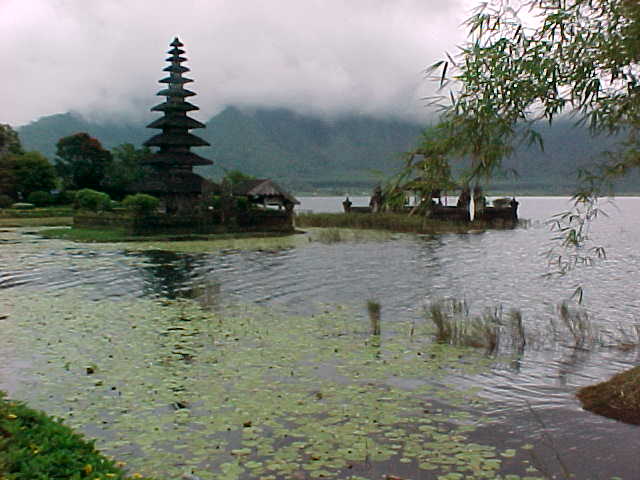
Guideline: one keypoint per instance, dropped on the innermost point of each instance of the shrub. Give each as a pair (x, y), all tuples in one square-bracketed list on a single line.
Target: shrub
[(215, 202), (87, 199), (141, 203), (5, 201), (40, 198), (243, 204), (65, 197)]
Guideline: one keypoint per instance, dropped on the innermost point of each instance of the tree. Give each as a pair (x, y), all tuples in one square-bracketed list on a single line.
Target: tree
[(92, 200), (125, 169), (82, 162), (236, 176), (33, 172), (535, 60), (573, 56), (9, 145), (22, 174), (141, 204), (9, 141), (7, 176), (426, 172)]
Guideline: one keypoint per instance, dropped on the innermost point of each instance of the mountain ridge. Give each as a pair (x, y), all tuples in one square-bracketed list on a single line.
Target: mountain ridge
[(349, 153)]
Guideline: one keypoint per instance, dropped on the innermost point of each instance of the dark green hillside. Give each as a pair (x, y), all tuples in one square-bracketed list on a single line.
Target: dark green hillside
[(344, 155), (567, 149), (239, 141), (44, 133), (305, 152)]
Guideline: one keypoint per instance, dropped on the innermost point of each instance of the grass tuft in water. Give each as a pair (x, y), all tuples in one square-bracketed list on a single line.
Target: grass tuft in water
[(579, 325), (329, 235), (373, 308), (517, 332), (492, 329)]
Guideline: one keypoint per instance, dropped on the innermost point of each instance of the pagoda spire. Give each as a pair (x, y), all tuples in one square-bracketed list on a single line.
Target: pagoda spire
[(175, 141)]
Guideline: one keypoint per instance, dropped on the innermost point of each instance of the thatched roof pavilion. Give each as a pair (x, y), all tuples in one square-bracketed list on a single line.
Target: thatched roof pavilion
[(265, 192)]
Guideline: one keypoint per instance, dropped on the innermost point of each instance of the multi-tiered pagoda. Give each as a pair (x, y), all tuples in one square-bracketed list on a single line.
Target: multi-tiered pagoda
[(171, 175)]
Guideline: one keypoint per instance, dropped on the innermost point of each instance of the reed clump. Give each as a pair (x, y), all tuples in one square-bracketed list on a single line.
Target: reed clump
[(517, 333), (492, 330), (455, 325), (329, 235), (373, 308), (578, 324), (575, 328)]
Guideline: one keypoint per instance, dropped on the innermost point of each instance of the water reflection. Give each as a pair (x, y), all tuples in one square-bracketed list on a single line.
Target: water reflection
[(571, 363), (178, 275), (428, 254)]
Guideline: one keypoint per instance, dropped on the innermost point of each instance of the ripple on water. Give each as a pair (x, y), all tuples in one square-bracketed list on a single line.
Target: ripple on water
[(498, 268)]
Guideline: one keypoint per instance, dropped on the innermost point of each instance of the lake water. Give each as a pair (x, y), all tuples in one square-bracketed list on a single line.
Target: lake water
[(531, 392)]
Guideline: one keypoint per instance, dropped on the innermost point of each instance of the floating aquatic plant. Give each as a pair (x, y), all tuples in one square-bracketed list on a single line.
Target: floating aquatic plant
[(245, 392)]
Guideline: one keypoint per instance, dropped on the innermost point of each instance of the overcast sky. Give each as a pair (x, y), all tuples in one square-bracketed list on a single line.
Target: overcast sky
[(103, 58)]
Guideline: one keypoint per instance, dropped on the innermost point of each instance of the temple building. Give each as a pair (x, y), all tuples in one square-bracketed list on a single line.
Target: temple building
[(171, 177), (189, 203)]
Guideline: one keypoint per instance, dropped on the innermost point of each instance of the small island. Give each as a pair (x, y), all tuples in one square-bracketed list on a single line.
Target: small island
[(171, 198)]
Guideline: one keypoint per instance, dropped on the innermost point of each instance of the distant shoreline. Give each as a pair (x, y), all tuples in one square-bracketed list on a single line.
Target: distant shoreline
[(488, 193)]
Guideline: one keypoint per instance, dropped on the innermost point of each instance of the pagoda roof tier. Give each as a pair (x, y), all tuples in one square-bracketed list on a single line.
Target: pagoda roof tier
[(176, 43), (175, 69), (176, 158), (177, 139), (172, 165), (176, 93), (181, 182), (176, 121), (175, 79), (174, 107)]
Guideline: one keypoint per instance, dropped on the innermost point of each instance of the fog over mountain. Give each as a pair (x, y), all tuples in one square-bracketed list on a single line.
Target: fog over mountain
[(316, 93), (346, 154), (322, 57)]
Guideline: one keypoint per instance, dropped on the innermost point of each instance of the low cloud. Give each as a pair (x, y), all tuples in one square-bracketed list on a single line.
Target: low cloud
[(325, 57)]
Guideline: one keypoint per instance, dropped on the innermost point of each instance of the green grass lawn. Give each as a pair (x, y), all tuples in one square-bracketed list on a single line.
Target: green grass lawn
[(380, 221), (61, 211), (36, 222), (36, 217), (88, 234), (35, 446), (98, 235)]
